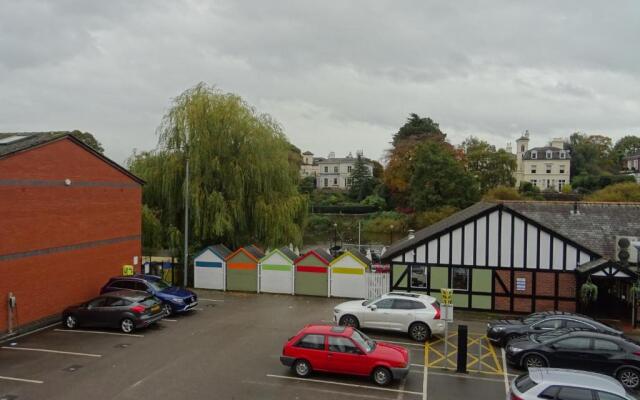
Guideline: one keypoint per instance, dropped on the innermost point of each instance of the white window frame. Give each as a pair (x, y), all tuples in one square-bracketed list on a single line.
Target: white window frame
[(426, 278), (549, 154), (548, 168), (534, 169), (468, 279), (534, 155), (563, 155)]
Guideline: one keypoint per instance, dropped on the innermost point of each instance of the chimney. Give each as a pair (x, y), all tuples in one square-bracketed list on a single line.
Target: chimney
[(575, 210), (332, 155), (412, 234), (558, 143)]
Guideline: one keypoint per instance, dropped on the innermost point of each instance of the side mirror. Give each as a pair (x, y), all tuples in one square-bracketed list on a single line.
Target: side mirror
[(373, 307)]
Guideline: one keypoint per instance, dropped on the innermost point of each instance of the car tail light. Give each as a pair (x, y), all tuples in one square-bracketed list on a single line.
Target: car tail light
[(636, 353), (138, 309), (514, 397), (437, 316)]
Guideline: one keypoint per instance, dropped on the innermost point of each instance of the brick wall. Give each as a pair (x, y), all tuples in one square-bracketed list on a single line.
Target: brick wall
[(48, 215)]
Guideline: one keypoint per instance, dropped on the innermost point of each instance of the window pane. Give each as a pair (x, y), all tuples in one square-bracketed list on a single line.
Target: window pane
[(609, 396), (605, 345), (342, 345), (315, 342), (385, 304), (549, 324), (572, 393), (549, 393), (418, 276), (460, 278), (402, 304), (573, 344), (140, 286), (577, 324), (524, 383), (99, 302), (114, 302)]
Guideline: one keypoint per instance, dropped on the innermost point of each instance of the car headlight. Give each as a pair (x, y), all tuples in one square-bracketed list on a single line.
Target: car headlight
[(512, 349), (336, 311), (177, 300), (497, 328)]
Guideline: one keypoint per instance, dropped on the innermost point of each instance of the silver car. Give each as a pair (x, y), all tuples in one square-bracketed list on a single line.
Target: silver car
[(553, 383), (416, 314)]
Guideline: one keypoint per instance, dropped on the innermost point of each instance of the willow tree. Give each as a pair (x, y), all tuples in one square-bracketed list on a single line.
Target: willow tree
[(242, 186)]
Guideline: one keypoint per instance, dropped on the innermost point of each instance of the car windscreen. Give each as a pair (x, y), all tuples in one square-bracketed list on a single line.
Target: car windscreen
[(547, 336), (159, 284), (367, 302), (524, 383), (363, 341)]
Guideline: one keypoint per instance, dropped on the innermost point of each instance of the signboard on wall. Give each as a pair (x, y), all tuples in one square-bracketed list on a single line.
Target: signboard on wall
[(521, 284)]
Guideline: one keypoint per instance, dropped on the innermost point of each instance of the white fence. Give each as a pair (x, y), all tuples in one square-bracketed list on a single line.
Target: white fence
[(377, 284)]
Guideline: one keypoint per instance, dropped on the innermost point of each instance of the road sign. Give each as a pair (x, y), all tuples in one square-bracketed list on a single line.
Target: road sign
[(447, 296), (127, 270), (447, 312)]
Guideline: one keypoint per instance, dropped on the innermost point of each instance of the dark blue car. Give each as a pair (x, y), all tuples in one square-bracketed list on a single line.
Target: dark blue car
[(175, 299)]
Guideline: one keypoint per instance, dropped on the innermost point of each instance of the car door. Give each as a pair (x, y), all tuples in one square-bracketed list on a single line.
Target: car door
[(378, 316), (345, 357), (113, 311), (606, 355), (402, 314), (312, 347), (92, 314), (571, 353)]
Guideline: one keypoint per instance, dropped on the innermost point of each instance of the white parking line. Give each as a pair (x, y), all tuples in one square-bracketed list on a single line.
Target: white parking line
[(504, 369), (71, 353), (398, 342), (343, 384), (425, 377), (30, 332), (200, 298), (8, 378), (98, 332), (463, 376), (169, 320)]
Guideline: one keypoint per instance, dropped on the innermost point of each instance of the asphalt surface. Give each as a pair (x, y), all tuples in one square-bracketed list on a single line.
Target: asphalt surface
[(228, 348)]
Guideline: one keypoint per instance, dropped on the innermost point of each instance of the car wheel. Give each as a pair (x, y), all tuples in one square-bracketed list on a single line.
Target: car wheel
[(419, 332), (349, 320), (126, 325), (167, 309), (302, 368), (382, 376), (71, 322), (534, 361), (630, 378)]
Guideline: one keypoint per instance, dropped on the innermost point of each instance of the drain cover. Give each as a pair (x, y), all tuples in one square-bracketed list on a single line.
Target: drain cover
[(72, 368), (122, 345)]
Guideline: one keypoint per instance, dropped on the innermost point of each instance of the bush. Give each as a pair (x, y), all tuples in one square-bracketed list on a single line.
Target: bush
[(344, 209), (423, 219), (620, 192), (319, 223), (502, 193), (375, 201), (382, 222), (592, 183)]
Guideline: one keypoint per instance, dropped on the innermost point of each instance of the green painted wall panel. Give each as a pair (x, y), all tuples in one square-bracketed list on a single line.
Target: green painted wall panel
[(241, 257), (273, 267), (243, 280), (460, 300), (437, 295), (481, 302), (312, 284), (398, 270), (481, 280), (439, 278)]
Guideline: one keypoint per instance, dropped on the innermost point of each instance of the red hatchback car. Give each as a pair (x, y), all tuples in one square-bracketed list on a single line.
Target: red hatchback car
[(344, 350)]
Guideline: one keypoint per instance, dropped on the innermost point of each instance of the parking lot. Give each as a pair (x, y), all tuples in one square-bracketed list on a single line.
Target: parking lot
[(229, 348)]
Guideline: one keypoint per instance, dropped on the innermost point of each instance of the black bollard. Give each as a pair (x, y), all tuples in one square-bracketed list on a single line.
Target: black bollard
[(462, 349)]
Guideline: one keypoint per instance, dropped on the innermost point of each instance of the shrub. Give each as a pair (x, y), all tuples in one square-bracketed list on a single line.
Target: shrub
[(423, 219), (502, 193), (620, 192), (375, 201), (382, 222)]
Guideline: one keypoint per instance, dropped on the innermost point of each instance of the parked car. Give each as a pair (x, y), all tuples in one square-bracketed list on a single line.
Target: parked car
[(548, 383), (344, 350), (501, 331), (613, 355), (124, 309), (175, 299), (416, 314)]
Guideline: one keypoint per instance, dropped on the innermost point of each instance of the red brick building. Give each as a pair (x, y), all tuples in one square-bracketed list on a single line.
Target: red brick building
[(524, 256), (69, 219)]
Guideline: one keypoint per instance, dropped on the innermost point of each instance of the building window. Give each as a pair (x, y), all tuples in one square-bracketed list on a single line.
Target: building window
[(548, 183), (335, 181), (534, 182), (418, 276), (348, 180), (549, 154), (460, 278), (548, 168), (562, 169), (349, 168), (533, 169), (335, 169), (326, 182), (522, 149), (326, 169), (560, 184), (534, 154), (563, 154)]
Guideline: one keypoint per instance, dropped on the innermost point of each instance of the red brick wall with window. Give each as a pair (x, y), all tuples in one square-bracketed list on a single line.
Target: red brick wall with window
[(102, 203)]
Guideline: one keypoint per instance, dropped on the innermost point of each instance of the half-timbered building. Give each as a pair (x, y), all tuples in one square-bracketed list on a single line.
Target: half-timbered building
[(518, 256)]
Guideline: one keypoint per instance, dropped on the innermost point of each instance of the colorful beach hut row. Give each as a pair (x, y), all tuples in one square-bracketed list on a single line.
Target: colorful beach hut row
[(314, 273)]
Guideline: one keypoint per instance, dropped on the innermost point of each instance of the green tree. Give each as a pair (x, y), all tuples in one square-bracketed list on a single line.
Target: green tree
[(89, 140), (307, 184), (491, 167), (242, 186), (417, 129), (502, 193), (152, 232), (362, 183), (625, 146), (590, 155), (439, 179), (619, 192)]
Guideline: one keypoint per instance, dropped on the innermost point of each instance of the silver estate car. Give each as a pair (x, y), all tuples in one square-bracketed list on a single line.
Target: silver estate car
[(552, 383), (416, 314)]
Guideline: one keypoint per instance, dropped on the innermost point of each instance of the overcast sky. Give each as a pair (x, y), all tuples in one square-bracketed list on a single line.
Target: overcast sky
[(338, 75)]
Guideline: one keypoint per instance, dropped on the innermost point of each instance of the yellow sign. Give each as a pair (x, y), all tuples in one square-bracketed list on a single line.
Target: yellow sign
[(447, 296), (127, 270)]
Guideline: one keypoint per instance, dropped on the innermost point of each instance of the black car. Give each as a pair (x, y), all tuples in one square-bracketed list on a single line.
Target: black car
[(501, 331), (613, 355), (125, 309)]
